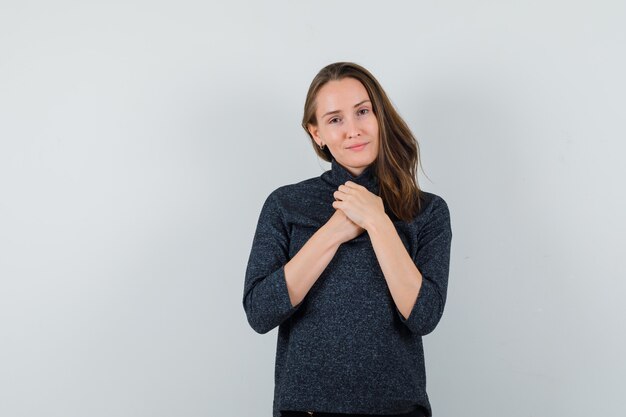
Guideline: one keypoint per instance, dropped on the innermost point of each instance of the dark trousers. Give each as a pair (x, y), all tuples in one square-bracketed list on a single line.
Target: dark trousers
[(419, 412)]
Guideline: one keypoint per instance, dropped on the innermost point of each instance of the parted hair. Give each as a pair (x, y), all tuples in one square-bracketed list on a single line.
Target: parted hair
[(398, 153)]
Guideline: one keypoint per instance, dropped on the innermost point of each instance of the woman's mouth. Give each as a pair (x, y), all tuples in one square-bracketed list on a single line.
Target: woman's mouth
[(359, 147)]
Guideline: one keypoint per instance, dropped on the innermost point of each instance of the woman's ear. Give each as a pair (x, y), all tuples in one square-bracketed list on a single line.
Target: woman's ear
[(314, 131)]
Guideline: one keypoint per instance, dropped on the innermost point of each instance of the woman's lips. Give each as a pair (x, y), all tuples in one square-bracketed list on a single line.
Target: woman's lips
[(358, 148)]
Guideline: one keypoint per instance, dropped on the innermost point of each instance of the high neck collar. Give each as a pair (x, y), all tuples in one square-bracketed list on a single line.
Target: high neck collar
[(338, 175)]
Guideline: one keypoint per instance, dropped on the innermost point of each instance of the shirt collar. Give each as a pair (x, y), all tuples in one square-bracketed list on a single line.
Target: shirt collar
[(338, 175)]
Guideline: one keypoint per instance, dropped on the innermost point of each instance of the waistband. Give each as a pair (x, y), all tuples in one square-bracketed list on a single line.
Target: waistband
[(418, 412)]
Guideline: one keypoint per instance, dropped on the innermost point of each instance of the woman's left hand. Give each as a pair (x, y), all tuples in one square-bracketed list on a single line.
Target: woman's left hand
[(359, 204)]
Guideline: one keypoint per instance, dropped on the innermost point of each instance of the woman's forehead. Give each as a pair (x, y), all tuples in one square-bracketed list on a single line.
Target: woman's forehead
[(341, 94)]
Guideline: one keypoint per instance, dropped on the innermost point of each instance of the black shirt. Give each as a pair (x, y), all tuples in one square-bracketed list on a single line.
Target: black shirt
[(345, 348)]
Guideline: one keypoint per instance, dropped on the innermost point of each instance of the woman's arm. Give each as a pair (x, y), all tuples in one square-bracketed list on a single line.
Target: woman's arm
[(367, 209), (275, 285), (303, 270), (419, 295), (307, 265), (403, 278)]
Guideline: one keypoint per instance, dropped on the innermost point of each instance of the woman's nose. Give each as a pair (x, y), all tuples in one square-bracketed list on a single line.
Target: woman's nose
[(352, 128)]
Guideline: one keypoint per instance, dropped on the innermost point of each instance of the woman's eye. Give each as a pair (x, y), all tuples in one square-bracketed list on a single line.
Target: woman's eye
[(363, 111), (333, 120)]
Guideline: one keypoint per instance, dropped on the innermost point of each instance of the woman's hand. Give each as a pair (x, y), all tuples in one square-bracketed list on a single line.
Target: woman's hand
[(342, 227), (360, 205)]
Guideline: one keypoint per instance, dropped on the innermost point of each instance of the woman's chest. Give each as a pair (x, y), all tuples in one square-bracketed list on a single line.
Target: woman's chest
[(307, 220)]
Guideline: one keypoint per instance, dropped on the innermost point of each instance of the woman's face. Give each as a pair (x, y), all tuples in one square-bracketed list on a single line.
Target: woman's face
[(346, 124)]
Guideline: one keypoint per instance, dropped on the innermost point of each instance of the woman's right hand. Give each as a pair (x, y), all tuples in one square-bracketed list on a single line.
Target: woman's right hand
[(342, 227)]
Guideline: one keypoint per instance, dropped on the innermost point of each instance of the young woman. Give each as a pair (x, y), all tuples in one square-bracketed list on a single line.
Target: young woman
[(352, 266)]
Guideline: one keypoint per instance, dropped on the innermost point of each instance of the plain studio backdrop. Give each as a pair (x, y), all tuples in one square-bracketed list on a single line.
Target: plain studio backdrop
[(139, 139)]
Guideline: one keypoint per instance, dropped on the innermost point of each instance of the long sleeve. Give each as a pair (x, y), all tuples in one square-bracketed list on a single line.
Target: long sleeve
[(266, 299), (433, 261), (342, 348)]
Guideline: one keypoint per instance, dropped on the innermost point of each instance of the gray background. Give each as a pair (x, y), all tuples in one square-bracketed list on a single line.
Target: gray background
[(139, 139)]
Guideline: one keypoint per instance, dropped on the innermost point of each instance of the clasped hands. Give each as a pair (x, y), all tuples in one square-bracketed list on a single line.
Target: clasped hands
[(360, 205)]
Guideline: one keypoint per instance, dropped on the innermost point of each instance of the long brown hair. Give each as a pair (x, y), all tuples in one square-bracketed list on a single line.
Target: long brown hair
[(398, 153)]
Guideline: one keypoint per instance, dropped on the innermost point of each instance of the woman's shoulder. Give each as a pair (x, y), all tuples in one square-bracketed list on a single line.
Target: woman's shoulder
[(432, 198), (295, 191), (432, 204), (293, 197)]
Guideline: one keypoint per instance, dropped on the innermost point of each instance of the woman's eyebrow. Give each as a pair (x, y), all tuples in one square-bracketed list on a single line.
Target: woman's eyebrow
[(330, 112), (339, 111)]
